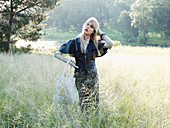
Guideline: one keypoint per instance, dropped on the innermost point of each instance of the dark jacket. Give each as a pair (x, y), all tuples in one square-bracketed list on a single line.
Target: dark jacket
[(85, 61)]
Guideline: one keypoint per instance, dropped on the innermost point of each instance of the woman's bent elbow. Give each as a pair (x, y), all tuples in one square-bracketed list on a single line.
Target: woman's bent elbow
[(57, 54), (109, 44)]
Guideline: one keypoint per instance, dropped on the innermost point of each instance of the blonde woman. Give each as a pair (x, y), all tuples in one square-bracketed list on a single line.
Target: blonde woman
[(85, 49)]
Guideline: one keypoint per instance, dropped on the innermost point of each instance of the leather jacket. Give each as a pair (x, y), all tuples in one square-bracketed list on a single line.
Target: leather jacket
[(85, 61)]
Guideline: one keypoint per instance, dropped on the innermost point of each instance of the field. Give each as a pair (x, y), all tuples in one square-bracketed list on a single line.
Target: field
[(61, 36), (134, 91)]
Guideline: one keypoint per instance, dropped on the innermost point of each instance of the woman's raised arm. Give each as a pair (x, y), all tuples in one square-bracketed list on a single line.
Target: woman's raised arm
[(109, 43)]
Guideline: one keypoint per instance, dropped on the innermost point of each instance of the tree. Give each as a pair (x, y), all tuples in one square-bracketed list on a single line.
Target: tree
[(162, 15), (128, 32), (142, 16), (72, 14), (23, 19), (115, 11)]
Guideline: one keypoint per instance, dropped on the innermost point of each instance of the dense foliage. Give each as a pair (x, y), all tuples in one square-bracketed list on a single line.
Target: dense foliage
[(132, 18), (23, 19)]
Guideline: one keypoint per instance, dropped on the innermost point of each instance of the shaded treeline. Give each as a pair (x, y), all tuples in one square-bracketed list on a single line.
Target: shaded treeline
[(130, 17), (22, 19)]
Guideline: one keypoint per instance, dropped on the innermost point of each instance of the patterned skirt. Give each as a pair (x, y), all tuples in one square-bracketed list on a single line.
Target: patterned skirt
[(88, 87)]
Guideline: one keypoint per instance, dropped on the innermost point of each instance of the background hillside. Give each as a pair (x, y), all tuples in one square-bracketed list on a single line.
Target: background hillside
[(129, 21)]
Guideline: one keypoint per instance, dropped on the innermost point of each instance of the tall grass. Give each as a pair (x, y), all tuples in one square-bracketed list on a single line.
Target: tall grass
[(136, 85), (134, 91)]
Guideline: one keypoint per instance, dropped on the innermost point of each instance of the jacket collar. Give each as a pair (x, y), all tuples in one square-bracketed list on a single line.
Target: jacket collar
[(90, 42)]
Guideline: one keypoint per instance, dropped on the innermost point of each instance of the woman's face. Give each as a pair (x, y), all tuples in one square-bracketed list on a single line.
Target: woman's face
[(88, 28)]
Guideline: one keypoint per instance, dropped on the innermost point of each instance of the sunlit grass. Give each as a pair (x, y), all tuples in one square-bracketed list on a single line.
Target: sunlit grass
[(60, 36), (134, 90), (157, 38), (154, 34), (148, 51), (137, 86)]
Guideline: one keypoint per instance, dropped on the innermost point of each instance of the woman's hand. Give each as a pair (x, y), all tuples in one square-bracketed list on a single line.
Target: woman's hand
[(73, 64), (99, 32)]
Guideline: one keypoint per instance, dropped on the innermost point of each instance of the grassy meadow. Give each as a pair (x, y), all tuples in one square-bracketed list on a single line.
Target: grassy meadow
[(61, 36), (134, 91)]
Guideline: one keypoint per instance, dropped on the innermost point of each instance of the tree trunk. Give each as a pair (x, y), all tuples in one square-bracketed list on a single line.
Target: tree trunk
[(144, 37), (10, 20), (165, 34)]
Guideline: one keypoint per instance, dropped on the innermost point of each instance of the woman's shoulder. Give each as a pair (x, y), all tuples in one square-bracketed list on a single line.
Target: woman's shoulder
[(77, 39)]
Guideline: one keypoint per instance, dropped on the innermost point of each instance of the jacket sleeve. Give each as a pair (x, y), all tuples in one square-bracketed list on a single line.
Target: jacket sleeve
[(69, 47), (102, 50)]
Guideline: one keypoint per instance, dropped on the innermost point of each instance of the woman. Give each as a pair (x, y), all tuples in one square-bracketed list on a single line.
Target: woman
[(85, 49)]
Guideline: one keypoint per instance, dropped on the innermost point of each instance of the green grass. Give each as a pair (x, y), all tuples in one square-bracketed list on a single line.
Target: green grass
[(134, 92), (157, 38), (113, 34), (62, 36)]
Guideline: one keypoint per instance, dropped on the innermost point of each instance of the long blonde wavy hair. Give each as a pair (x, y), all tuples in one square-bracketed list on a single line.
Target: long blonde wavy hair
[(93, 36)]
